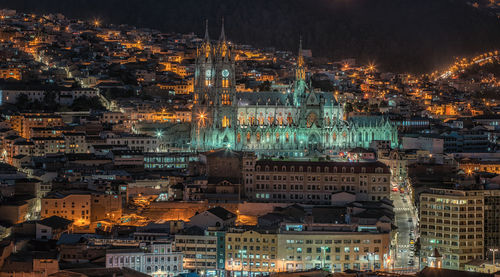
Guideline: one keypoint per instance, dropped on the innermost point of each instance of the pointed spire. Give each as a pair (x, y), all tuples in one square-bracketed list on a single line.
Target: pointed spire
[(300, 59), (300, 45), (222, 33), (207, 38)]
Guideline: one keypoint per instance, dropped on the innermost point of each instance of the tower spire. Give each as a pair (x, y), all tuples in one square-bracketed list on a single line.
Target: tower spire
[(206, 38), (222, 33), (300, 58)]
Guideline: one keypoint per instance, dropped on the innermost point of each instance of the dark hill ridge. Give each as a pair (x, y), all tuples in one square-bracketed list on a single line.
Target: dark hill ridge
[(398, 35)]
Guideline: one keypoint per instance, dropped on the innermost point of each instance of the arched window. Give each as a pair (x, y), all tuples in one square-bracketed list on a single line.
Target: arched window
[(277, 137), (225, 122), (248, 137), (148, 269), (335, 170), (327, 169), (318, 169), (238, 138), (257, 136), (175, 268), (287, 137)]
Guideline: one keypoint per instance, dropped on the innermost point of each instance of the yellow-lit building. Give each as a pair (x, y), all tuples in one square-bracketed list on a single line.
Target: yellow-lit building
[(179, 88), (299, 247), (10, 73), (336, 251), (200, 252), (25, 123), (251, 251), (470, 166), (74, 207), (452, 221)]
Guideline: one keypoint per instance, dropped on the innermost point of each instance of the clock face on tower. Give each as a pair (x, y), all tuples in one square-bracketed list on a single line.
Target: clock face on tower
[(225, 73), (208, 73)]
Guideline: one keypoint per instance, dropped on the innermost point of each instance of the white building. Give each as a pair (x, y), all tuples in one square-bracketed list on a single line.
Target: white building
[(157, 260), (134, 142)]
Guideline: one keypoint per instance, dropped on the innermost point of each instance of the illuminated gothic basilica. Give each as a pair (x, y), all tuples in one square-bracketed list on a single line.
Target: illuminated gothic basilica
[(288, 124)]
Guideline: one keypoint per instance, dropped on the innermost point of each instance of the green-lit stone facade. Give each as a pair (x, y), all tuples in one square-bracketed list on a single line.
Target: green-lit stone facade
[(287, 124)]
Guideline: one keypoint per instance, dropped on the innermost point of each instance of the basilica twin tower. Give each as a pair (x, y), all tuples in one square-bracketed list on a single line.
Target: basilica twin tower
[(296, 123)]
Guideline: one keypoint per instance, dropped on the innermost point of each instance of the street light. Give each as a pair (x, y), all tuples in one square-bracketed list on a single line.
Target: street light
[(493, 251)]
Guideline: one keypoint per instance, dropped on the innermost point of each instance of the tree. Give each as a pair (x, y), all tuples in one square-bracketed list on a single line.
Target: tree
[(22, 101), (348, 107), (84, 103)]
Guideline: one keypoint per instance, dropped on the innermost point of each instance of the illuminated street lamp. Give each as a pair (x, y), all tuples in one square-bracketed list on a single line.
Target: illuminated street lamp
[(493, 251), (159, 133)]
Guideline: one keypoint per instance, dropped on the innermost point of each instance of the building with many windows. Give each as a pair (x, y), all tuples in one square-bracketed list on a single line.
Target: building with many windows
[(157, 260), (252, 251), (299, 247), (314, 182), (461, 224), (335, 248), (200, 251), (294, 123)]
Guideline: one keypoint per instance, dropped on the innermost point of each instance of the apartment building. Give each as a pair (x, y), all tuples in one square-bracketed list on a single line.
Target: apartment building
[(333, 248), (200, 251), (74, 206), (314, 182), (251, 252), (453, 222), (299, 247)]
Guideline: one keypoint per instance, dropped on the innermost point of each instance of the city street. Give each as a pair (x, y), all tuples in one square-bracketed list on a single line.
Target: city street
[(406, 222)]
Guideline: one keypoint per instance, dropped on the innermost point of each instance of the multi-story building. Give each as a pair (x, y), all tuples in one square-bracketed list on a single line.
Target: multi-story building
[(135, 142), (251, 251), (491, 222), (294, 123), (314, 182), (73, 206), (453, 221), (336, 248), (157, 259), (397, 162), (200, 252), (299, 247), (24, 123), (470, 166)]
